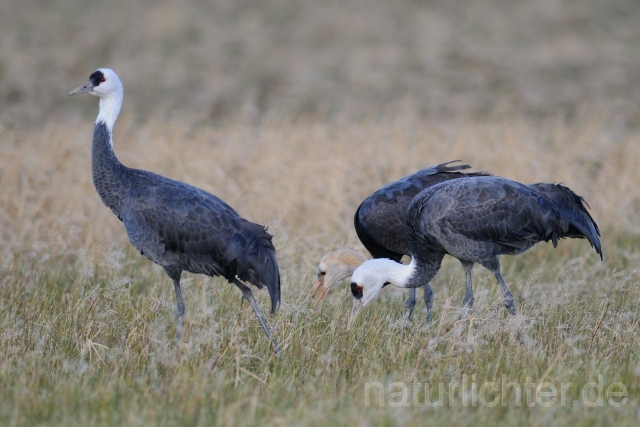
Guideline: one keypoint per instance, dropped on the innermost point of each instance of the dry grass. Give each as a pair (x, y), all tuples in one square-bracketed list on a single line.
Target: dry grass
[(87, 324), (293, 112)]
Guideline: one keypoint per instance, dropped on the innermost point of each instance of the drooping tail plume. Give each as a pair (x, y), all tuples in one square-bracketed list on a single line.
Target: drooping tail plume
[(574, 220)]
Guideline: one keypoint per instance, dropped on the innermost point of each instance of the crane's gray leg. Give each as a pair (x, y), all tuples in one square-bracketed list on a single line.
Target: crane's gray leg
[(467, 301), (246, 293), (428, 301), (179, 310), (506, 293), (409, 304), (175, 273), (494, 267)]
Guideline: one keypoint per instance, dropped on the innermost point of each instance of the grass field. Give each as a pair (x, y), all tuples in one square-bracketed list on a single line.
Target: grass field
[(88, 324), (293, 113)]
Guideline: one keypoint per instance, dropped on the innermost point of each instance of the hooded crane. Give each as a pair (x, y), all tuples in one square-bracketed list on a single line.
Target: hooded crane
[(176, 225), (476, 220), (380, 224)]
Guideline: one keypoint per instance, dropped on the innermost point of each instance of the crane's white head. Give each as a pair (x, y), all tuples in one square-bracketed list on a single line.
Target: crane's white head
[(103, 82), (366, 282), (373, 275)]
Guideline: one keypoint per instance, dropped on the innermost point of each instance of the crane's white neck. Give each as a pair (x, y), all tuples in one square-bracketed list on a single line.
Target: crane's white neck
[(109, 109), (400, 274)]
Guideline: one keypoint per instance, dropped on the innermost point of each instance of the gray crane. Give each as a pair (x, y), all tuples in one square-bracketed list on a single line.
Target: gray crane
[(380, 225), (476, 220), (176, 225)]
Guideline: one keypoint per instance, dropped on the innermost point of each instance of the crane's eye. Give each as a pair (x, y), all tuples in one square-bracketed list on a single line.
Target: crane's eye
[(102, 79), (322, 273)]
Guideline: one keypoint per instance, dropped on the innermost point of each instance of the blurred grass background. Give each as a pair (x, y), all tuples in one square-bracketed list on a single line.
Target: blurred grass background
[(338, 59), (293, 112)]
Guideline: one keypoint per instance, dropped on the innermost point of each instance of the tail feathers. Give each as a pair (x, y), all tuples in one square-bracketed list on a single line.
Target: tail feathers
[(271, 275), (573, 219), (443, 167), (257, 262)]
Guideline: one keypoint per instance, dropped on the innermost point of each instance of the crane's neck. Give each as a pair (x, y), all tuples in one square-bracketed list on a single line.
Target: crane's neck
[(108, 173), (412, 275), (399, 274), (341, 273), (109, 109)]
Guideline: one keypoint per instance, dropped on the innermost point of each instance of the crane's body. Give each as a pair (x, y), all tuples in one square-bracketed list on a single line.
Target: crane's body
[(481, 219), (380, 221), (476, 220), (176, 225)]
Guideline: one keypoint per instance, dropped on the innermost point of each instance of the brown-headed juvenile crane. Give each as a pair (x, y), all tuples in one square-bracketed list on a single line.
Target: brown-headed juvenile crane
[(476, 220), (380, 225), (176, 225), (334, 267)]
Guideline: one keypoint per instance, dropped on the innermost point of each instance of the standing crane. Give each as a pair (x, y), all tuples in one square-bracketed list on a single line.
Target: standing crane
[(476, 220), (176, 225), (380, 225)]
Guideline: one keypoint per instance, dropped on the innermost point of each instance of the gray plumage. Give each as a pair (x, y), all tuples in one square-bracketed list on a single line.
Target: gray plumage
[(381, 217), (479, 219), (176, 225), (476, 220)]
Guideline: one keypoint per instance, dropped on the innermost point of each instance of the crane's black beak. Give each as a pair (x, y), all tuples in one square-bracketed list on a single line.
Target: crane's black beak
[(85, 88)]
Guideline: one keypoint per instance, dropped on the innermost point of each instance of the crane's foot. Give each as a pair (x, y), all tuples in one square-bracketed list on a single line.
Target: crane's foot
[(508, 302), (506, 293), (406, 317), (179, 327), (467, 303), (429, 317)]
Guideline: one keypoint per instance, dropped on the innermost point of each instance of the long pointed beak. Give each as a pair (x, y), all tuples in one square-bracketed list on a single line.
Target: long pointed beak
[(322, 292), (85, 88), (314, 288), (355, 310)]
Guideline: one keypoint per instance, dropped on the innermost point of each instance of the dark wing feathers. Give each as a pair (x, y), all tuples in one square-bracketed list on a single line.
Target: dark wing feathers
[(573, 216), (255, 259), (491, 211), (492, 216), (174, 223), (409, 186), (380, 219)]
